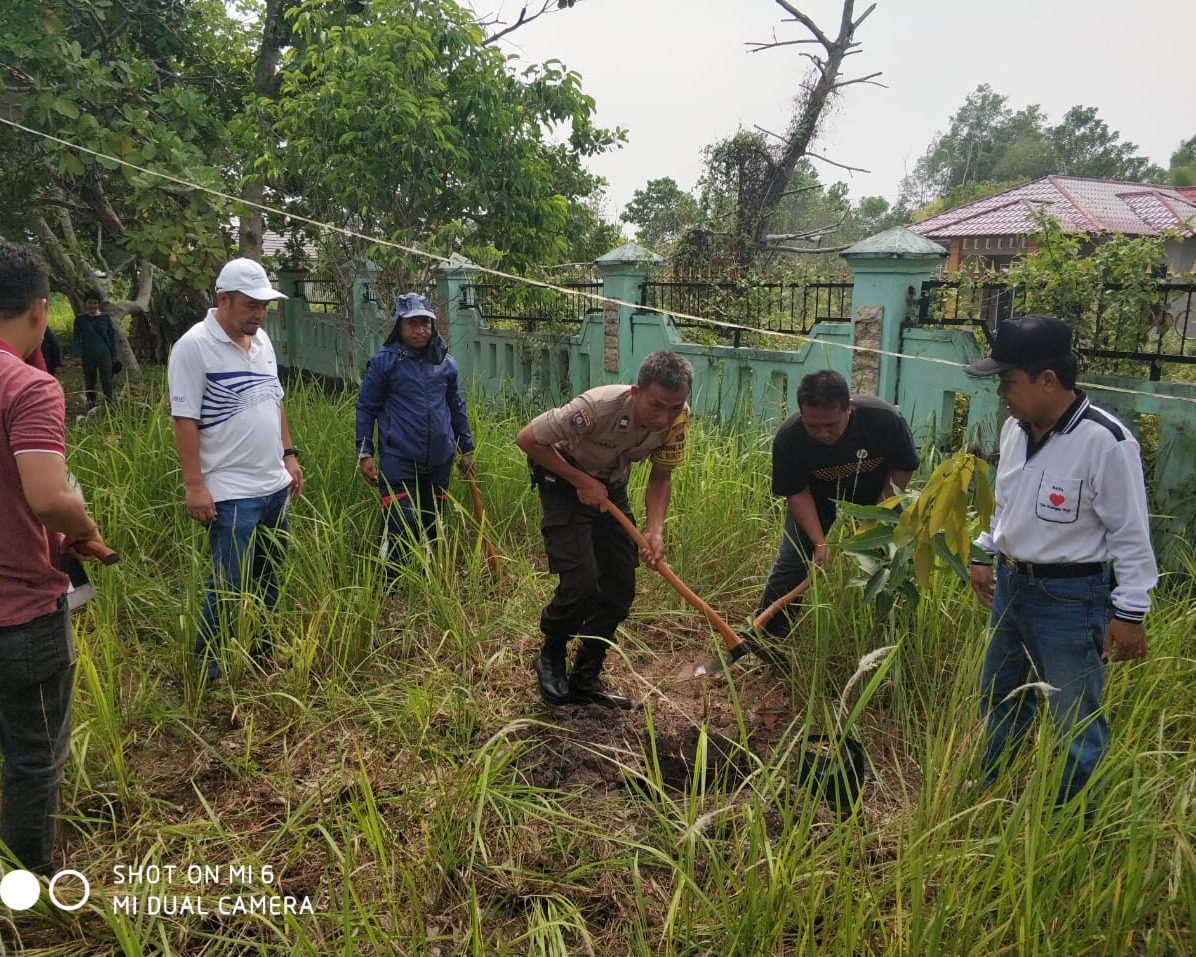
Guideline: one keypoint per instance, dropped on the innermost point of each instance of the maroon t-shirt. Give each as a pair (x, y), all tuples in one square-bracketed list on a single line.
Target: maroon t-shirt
[(32, 419)]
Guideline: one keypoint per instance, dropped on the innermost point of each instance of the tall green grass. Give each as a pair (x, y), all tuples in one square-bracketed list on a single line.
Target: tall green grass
[(393, 768)]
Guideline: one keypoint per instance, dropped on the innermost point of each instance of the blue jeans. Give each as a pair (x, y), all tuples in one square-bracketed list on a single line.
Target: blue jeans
[(412, 500), (248, 540), (37, 673), (1052, 630)]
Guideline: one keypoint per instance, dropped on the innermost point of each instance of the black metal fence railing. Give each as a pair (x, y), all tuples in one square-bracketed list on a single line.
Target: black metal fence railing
[(949, 302), (535, 306), (1151, 325), (319, 290), (767, 307)]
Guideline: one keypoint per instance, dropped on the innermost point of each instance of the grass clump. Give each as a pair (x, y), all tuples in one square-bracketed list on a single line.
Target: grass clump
[(398, 773)]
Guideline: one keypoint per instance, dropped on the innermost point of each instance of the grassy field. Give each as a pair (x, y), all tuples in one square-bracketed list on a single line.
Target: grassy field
[(397, 782)]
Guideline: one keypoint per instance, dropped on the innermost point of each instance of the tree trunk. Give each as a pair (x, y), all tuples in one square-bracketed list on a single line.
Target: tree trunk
[(276, 35), (139, 305), (826, 80)]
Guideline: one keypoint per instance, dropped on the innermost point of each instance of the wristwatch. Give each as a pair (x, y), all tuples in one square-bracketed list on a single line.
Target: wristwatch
[(286, 452)]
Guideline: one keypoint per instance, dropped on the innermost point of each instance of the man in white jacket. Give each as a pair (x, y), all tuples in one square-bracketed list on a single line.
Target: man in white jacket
[(1070, 505)]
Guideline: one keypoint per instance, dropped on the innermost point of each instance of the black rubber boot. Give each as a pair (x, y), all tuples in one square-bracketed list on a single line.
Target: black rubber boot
[(585, 687), (550, 670)]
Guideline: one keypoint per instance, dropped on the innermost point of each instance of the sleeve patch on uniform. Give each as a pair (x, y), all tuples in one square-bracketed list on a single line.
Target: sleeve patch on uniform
[(580, 420)]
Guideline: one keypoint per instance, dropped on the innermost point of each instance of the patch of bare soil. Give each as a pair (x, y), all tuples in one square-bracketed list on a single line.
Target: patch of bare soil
[(679, 729)]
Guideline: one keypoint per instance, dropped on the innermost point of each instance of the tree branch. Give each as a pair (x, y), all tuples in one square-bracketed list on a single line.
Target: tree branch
[(831, 162), (758, 46), (800, 189), (870, 79), (807, 249), (546, 6), (769, 132), (809, 24)]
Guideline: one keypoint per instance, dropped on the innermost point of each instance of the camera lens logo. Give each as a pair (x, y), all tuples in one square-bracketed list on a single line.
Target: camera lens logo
[(19, 890)]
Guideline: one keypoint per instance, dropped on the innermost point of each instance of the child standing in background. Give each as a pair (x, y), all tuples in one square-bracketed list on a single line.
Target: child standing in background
[(410, 395), (94, 343)]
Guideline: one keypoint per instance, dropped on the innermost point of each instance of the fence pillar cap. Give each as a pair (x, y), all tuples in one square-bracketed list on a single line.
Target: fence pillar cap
[(457, 263), (895, 243), (630, 253)]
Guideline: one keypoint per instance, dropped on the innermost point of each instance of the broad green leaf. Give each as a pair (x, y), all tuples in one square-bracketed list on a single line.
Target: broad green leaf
[(869, 513), (875, 584), (950, 559), (874, 538)]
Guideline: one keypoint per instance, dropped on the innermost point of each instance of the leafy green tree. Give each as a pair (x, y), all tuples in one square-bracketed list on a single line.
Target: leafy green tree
[(400, 122), (872, 215), (1107, 289), (989, 147), (661, 213), (1182, 171), (1084, 145), (150, 82)]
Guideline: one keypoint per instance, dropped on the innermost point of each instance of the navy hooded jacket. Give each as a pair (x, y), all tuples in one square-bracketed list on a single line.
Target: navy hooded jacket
[(416, 405)]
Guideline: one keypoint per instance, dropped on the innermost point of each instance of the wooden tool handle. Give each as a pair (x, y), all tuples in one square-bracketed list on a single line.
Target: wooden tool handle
[(101, 553), (730, 639), (794, 594), (480, 511)]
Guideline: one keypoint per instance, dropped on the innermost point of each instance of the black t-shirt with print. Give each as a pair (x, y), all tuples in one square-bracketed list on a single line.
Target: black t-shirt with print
[(877, 439)]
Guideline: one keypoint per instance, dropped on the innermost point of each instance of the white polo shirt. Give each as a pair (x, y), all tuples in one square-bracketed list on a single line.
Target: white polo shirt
[(1079, 498), (236, 397)]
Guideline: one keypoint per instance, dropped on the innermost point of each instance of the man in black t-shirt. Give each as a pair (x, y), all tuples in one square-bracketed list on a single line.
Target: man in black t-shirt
[(835, 447)]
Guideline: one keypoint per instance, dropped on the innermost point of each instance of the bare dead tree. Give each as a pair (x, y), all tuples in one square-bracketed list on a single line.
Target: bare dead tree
[(824, 82)]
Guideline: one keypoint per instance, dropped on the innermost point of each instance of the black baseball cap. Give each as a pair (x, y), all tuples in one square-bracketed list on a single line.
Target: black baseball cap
[(1022, 341)]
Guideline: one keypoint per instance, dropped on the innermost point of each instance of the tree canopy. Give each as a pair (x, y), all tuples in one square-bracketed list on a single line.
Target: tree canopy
[(391, 118), (988, 146)]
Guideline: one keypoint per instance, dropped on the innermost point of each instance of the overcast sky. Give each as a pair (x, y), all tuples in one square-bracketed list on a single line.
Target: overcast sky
[(677, 76)]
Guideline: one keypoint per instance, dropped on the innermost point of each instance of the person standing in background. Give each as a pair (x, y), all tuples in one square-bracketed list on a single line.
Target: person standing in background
[(94, 344)]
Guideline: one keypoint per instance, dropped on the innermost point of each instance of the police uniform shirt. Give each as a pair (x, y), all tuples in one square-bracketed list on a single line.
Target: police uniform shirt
[(854, 469), (598, 433), (1076, 498)]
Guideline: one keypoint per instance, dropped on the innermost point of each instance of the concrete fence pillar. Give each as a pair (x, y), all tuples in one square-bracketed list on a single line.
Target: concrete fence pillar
[(623, 270), (888, 270), (456, 302)]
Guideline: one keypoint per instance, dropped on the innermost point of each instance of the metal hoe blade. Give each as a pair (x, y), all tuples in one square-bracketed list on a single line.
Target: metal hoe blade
[(716, 664)]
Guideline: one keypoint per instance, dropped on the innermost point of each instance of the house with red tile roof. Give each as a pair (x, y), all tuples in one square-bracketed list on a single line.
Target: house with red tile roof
[(996, 230)]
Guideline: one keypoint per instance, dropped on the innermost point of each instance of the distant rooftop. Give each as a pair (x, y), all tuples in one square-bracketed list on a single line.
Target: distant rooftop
[(1080, 205)]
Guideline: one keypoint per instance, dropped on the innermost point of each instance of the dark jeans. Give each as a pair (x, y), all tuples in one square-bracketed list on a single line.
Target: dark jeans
[(789, 569), (412, 500), (37, 671), (594, 559), (1047, 630), (103, 368), (248, 542)]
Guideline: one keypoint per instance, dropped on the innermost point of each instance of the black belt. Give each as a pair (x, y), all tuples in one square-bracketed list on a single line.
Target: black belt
[(1057, 570)]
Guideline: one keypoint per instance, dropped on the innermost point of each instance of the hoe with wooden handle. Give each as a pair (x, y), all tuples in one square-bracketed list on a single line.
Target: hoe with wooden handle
[(480, 512), (736, 645), (746, 645)]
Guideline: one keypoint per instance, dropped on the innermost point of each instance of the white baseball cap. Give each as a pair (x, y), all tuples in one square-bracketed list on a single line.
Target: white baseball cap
[(247, 277)]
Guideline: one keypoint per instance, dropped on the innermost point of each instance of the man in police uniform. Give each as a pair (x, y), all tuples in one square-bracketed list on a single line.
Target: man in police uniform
[(1070, 501), (581, 455)]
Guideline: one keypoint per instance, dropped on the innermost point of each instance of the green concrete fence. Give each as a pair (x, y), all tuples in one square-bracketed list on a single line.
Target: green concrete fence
[(880, 348)]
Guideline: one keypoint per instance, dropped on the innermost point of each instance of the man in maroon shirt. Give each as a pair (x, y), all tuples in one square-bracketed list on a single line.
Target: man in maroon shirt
[(42, 515)]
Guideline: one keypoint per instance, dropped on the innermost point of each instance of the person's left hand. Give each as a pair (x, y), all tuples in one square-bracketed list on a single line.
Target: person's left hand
[(1124, 640), (655, 550), (295, 471), (465, 462)]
